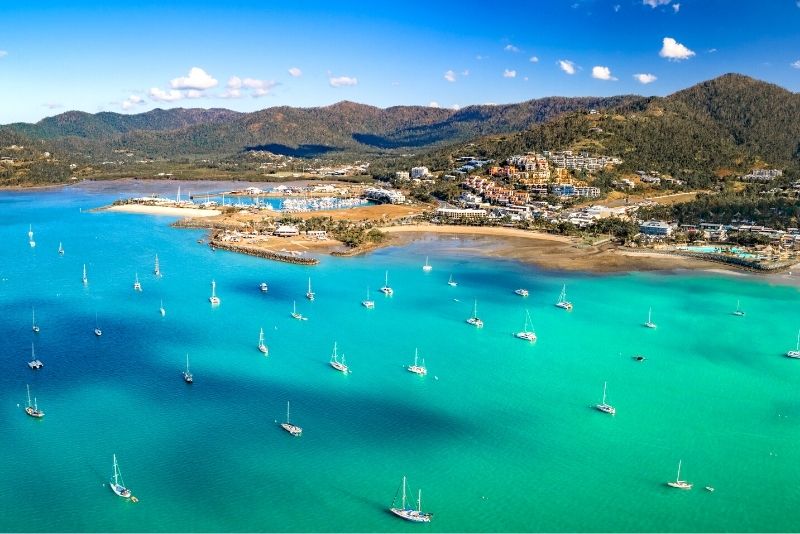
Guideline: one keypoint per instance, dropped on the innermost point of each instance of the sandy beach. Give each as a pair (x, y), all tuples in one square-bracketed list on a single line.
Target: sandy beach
[(163, 210)]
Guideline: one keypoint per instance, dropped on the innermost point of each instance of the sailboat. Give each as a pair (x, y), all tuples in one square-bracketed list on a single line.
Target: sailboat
[(214, 299), (34, 363), (451, 282), (289, 427), (32, 409), (427, 267), (117, 485), (678, 483), (34, 326), (521, 292), (263, 287), (261, 346), (136, 285), (157, 269), (738, 312), (474, 320), (309, 293), (386, 290), (97, 330), (161, 309), (30, 232), (418, 369), (527, 332), (85, 278), (369, 303), (187, 376), (60, 249), (603, 407), (295, 314), (650, 323), (408, 513), (796, 352), (562, 299), (338, 364)]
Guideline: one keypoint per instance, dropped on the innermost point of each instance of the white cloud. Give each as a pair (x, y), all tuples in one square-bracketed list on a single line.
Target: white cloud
[(534, 59), (655, 3), (194, 93), (509, 73), (602, 73), (294, 72), (480, 57), (395, 83), (567, 66), (676, 7), (450, 76), (159, 95), (256, 87), (616, 8), (455, 107), (674, 51), (3, 53), (234, 82), (796, 64), (711, 50), (131, 102), (342, 81), (231, 93), (433, 104), (55, 105), (645, 78), (465, 72), (197, 79), (511, 48)]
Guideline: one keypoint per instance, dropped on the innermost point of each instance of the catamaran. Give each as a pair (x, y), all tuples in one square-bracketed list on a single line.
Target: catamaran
[(289, 427), (85, 278), (451, 282), (796, 352), (603, 407), (650, 323), (562, 299), (156, 268), (34, 363), (678, 483), (309, 293), (60, 249), (34, 326), (261, 346), (739, 312), (117, 484), (214, 299), (421, 370), (408, 513), (295, 314), (161, 309), (336, 363), (97, 330), (369, 303), (427, 267), (521, 292), (474, 320), (32, 409), (136, 285), (187, 376), (527, 332), (386, 290)]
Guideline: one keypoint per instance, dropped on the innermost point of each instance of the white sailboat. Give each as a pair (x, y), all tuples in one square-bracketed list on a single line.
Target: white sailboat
[(187, 375), (427, 267), (418, 369), (474, 320), (678, 483), (336, 363), (117, 484), (263, 287), (289, 427), (261, 346), (650, 323), (603, 406), (451, 282), (562, 299), (97, 330), (136, 285), (796, 352), (368, 303), (161, 309), (309, 293), (157, 268), (521, 292), (214, 299), (295, 314), (60, 249), (386, 289), (34, 326), (34, 363), (739, 312), (527, 332), (408, 513), (30, 232), (85, 278), (32, 409)]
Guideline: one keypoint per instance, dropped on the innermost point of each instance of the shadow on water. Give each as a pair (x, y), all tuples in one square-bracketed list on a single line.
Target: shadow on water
[(301, 151)]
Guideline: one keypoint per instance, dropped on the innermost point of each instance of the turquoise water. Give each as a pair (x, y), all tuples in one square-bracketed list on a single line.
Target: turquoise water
[(707, 249), (501, 435)]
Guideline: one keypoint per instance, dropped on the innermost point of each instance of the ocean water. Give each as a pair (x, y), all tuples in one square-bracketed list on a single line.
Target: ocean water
[(500, 436)]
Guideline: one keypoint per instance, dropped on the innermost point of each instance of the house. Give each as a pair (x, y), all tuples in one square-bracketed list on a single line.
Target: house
[(286, 230), (317, 234)]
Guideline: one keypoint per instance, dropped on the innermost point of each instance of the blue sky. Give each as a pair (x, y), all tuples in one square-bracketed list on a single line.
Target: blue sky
[(245, 55)]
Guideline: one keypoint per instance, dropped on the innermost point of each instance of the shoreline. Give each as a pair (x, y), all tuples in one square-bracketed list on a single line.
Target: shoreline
[(144, 209)]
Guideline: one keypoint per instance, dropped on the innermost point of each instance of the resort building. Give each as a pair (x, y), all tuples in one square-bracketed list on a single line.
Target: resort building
[(384, 195), (464, 214), (286, 230), (656, 228), (419, 172)]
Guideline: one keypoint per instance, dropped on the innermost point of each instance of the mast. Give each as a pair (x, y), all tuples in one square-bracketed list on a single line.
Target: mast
[(213, 288), (309, 285), (797, 347), (679, 471), (404, 492), (287, 412), (604, 391), (29, 394), (416, 354), (386, 279), (116, 469), (650, 313), (475, 309), (187, 363), (419, 501)]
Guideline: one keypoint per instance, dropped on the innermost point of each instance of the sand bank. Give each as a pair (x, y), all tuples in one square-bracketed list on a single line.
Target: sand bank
[(163, 210)]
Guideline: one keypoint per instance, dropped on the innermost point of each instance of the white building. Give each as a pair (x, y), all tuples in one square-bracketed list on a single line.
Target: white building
[(286, 230), (419, 172), (462, 214)]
